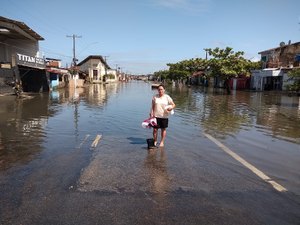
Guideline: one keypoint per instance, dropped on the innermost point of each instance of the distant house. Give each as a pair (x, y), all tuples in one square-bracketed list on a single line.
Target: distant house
[(276, 63), (97, 70), (58, 77), (20, 59), (111, 75)]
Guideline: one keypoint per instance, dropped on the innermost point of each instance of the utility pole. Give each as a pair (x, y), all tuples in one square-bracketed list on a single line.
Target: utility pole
[(117, 70), (205, 54), (105, 56), (74, 36)]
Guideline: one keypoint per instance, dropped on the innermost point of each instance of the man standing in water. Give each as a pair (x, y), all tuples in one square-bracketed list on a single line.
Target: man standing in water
[(162, 105)]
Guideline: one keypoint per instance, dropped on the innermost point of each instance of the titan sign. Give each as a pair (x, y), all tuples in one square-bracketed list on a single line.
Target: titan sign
[(30, 61)]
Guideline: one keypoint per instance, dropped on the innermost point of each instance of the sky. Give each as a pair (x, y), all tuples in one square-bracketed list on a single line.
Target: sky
[(142, 36)]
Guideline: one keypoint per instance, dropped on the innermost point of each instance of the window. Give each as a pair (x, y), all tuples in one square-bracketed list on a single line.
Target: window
[(264, 58), (95, 74)]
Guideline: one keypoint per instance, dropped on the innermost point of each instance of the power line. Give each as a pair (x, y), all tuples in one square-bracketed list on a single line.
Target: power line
[(55, 53), (86, 47)]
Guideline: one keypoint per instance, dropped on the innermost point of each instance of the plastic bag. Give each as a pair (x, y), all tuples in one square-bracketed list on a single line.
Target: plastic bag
[(150, 122)]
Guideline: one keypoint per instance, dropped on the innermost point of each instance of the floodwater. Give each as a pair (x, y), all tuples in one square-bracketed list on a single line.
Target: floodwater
[(49, 165)]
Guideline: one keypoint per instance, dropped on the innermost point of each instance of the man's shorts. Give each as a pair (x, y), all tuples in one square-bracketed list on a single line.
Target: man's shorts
[(162, 123)]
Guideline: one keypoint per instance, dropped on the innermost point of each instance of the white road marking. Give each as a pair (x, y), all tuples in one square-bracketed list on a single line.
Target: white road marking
[(95, 142), (259, 173), (84, 140)]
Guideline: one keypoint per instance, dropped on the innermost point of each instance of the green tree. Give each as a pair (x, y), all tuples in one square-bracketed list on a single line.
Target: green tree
[(183, 69), (189, 65), (178, 74), (226, 64), (294, 76), (161, 75)]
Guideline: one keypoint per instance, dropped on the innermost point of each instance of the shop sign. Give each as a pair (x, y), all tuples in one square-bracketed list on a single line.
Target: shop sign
[(30, 61)]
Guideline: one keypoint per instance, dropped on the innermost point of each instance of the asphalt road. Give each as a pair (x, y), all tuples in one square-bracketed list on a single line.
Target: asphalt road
[(124, 183)]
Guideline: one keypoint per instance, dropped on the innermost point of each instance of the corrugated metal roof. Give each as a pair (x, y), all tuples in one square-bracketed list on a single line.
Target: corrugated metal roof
[(24, 27)]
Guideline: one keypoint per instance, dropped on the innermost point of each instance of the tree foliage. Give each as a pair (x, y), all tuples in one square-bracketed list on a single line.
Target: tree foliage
[(178, 74), (162, 75), (189, 65), (226, 63), (294, 75)]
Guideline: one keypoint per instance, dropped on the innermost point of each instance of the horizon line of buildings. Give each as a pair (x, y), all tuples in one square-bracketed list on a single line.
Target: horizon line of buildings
[(21, 62)]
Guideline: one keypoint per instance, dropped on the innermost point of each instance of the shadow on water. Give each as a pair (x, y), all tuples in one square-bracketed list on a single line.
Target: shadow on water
[(136, 140)]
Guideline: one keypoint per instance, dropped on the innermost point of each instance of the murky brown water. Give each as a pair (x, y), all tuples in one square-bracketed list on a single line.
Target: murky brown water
[(48, 166), (37, 124)]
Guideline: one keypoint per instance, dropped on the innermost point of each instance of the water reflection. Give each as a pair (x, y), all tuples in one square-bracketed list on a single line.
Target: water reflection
[(222, 115), (63, 118), (22, 124), (155, 163)]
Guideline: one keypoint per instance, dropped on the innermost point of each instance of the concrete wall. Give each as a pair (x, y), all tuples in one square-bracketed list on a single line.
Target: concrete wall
[(11, 47), (91, 65)]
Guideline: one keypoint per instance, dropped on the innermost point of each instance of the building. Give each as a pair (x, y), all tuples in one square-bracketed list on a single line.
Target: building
[(268, 79), (97, 70), (58, 77), (276, 64), (284, 56), (20, 60)]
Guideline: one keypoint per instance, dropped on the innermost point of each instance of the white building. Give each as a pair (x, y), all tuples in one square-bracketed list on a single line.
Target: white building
[(263, 79), (97, 70), (270, 79)]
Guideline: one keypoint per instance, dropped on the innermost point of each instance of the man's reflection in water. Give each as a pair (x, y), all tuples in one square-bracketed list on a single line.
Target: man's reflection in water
[(155, 163)]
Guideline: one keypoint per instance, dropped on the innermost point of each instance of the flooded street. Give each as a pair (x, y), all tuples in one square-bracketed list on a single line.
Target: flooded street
[(55, 168)]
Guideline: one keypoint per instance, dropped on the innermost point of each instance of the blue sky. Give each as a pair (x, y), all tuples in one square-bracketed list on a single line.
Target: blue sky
[(141, 36)]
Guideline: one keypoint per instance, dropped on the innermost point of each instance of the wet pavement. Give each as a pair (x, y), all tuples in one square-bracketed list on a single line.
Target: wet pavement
[(54, 170)]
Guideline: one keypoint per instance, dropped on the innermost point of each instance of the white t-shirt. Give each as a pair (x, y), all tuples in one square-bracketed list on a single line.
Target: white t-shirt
[(160, 105)]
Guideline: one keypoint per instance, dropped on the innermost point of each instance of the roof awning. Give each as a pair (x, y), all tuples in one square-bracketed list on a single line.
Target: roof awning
[(57, 70), (14, 29)]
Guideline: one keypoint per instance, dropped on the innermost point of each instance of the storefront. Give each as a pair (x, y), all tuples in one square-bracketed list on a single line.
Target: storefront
[(20, 63), (31, 73)]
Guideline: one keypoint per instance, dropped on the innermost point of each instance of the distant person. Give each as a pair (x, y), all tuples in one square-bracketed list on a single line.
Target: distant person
[(161, 107)]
